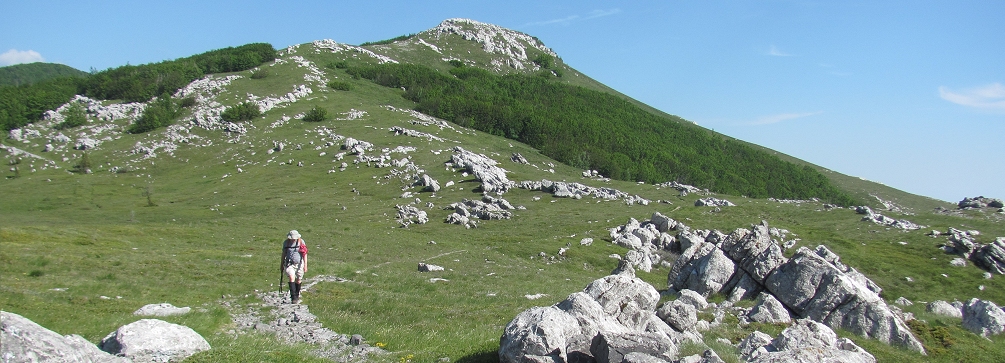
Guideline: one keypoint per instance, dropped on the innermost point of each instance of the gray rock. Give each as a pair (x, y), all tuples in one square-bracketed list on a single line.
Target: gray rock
[(704, 269), (991, 257), (519, 159), (958, 262), (983, 317), (620, 307), (809, 341), (162, 309), (679, 315), (693, 298), (152, 340), (612, 348), (25, 341), (752, 343), (903, 301), (637, 357), (429, 184), (754, 251), (812, 287), (769, 310), (746, 288)]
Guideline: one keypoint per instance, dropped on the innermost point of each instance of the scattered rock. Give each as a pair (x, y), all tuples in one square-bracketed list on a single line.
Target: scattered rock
[(519, 159), (493, 178), (958, 262), (408, 215), (871, 216), (162, 309), (25, 341), (713, 202), (424, 267), (429, 184), (903, 301), (152, 340)]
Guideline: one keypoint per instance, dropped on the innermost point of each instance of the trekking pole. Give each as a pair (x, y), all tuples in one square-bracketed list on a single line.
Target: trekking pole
[(280, 280)]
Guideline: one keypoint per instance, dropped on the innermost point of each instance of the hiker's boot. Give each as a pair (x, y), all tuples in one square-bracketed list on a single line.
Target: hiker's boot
[(299, 286), (293, 292)]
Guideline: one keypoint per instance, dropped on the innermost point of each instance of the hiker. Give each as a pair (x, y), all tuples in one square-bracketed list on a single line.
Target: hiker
[(294, 263)]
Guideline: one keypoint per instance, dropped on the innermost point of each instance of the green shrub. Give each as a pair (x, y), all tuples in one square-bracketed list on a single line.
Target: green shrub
[(388, 41), (83, 165), (159, 114), (260, 73), (241, 112), (545, 60), (73, 116), (337, 65), (186, 102), (340, 85), (457, 63), (316, 114)]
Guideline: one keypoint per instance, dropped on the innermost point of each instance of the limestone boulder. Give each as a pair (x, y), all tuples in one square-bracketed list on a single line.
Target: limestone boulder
[(983, 317), (769, 310), (810, 341), (943, 308), (814, 288), (152, 340), (25, 341)]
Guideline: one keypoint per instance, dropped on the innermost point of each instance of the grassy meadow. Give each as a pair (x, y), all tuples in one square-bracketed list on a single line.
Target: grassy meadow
[(80, 252)]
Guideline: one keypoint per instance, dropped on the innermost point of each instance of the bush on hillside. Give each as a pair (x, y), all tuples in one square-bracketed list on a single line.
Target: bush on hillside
[(73, 116), (186, 102), (388, 41), (244, 111), (316, 114), (340, 85), (260, 73), (337, 65), (160, 113)]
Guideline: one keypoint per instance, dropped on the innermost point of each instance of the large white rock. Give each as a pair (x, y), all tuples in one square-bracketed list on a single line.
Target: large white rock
[(943, 308), (769, 310), (809, 341), (25, 341), (983, 317), (152, 340)]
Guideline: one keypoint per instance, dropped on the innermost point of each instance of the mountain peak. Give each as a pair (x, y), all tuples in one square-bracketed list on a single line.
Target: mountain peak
[(511, 44)]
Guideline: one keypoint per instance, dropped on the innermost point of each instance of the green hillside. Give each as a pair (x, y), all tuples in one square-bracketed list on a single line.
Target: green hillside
[(30, 73), (101, 219)]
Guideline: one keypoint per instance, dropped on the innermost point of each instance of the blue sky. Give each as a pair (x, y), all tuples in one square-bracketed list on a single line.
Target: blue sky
[(907, 93)]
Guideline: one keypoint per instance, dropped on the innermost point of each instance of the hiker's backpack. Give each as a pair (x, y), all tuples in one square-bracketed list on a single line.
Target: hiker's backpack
[(303, 249)]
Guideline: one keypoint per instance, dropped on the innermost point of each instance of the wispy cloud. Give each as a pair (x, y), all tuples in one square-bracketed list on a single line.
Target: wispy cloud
[(989, 97), (775, 52), (573, 18), (15, 56), (774, 119)]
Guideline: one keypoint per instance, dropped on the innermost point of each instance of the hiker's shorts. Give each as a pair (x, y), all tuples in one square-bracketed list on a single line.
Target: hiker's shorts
[(295, 271)]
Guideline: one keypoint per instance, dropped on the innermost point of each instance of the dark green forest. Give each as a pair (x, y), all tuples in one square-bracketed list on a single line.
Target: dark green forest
[(595, 130), (24, 104), (29, 73)]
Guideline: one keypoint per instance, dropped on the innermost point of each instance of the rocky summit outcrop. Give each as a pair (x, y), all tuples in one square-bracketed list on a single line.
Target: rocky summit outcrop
[(152, 340), (812, 284), (25, 341), (980, 202), (991, 257), (614, 317)]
